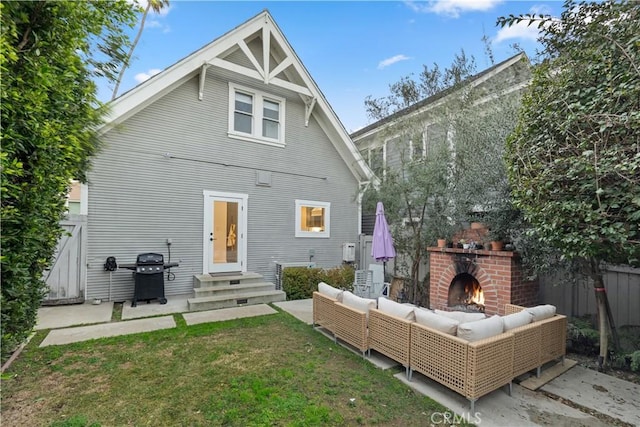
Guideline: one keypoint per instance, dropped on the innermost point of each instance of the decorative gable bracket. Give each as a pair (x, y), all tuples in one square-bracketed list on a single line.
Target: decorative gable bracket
[(203, 76), (309, 103)]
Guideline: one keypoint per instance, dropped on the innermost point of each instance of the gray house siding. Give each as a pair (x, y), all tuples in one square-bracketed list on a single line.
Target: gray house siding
[(147, 185)]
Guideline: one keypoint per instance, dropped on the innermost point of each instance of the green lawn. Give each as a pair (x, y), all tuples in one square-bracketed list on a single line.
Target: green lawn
[(268, 370)]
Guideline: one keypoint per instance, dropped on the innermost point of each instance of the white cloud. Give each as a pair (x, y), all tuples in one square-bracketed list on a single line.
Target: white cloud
[(541, 9), (152, 23), (518, 30), (390, 61), (141, 77), (522, 30), (452, 8)]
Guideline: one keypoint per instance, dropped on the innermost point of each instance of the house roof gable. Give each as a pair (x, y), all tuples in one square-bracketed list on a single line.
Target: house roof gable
[(474, 80), (259, 50)]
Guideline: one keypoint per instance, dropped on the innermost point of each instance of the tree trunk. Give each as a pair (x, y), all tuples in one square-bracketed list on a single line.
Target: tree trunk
[(125, 65), (601, 301), (415, 271)]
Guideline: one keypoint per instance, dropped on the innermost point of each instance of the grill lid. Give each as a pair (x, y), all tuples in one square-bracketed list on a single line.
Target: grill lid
[(149, 259)]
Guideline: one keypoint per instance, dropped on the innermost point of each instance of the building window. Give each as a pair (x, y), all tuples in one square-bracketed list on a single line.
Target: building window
[(312, 218), (243, 114), (256, 116), (417, 147), (376, 161), (271, 119), (77, 197)]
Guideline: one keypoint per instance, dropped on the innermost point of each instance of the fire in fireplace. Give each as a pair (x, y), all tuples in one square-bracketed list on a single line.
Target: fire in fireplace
[(465, 294)]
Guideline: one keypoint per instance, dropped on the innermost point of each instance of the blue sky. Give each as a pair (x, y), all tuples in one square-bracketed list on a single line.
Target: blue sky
[(352, 49)]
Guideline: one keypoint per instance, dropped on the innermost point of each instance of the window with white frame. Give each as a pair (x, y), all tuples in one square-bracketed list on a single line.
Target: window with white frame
[(313, 218), (256, 116)]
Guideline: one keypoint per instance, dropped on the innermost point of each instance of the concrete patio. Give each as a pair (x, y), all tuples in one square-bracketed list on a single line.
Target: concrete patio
[(592, 398)]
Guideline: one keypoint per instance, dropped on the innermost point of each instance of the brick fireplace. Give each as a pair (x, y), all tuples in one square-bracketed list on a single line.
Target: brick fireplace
[(497, 273)]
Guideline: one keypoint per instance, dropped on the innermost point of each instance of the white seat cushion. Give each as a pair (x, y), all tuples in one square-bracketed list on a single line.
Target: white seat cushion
[(359, 303), (393, 308), (330, 291), (542, 312), (435, 321), (461, 316), (481, 329), (515, 320)]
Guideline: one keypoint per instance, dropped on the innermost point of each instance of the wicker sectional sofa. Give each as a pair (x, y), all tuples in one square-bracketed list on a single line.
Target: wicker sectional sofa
[(471, 367)]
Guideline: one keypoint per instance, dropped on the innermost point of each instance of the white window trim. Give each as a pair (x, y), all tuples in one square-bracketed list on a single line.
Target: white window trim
[(256, 128), (327, 220)]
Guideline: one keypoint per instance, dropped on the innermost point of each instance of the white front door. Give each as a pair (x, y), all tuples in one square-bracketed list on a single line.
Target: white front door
[(225, 225)]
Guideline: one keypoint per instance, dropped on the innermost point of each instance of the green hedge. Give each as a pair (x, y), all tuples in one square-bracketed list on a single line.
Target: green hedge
[(300, 282)]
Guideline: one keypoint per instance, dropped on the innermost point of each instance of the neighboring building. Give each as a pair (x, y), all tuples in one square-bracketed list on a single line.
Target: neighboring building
[(230, 160), (381, 143), (413, 132)]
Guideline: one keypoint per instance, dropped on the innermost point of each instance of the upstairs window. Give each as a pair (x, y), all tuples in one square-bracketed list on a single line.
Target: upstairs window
[(256, 116), (271, 119), (417, 147), (243, 114), (376, 161)]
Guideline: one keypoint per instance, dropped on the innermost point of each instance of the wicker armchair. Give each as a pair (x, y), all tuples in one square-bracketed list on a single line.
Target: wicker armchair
[(539, 342), (323, 311), (471, 369), (391, 336), (351, 326)]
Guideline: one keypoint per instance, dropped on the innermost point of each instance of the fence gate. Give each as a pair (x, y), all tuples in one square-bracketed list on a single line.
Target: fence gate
[(66, 278)]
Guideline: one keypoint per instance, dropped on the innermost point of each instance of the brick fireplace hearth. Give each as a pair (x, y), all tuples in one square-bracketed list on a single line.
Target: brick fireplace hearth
[(499, 274)]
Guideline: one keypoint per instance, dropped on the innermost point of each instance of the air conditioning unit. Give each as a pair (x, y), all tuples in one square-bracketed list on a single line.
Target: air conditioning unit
[(280, 266), (349, 252)]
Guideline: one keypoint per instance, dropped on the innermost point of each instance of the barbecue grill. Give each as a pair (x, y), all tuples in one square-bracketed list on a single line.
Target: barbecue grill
[(149, 277)]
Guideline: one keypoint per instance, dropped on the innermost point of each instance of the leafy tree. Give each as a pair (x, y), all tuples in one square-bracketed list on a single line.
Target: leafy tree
[(157, 6), (428, 197), (49, 53), (574, 158)]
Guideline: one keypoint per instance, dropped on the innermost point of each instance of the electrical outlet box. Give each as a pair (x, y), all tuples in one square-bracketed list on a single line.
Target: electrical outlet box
[(348, 252), (312, 252), (169, 241)]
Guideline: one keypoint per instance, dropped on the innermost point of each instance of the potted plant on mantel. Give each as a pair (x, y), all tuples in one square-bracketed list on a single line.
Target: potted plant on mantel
[(500, 223)]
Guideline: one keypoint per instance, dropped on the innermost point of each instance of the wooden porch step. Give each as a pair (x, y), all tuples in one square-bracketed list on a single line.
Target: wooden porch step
[(236, 300), (207, 280), (225, 289)]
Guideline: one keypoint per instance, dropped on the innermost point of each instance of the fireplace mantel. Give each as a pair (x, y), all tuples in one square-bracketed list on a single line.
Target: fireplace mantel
[(510, 254)]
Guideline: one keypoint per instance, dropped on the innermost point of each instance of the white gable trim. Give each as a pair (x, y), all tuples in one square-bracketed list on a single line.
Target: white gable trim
[(213, 54)]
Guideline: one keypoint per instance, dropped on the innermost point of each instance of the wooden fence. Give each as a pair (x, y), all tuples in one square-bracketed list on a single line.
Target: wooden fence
[(578, 299)]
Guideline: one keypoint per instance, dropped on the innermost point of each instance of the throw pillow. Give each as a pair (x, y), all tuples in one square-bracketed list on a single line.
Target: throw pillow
[(360, 304), (435, 321), (481, 329), (542, 312), (515, 320), (330, 291), (461, 316), (393, 308)]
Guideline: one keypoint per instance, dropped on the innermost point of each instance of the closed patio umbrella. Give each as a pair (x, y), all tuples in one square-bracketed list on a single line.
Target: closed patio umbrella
[(382, 245)]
